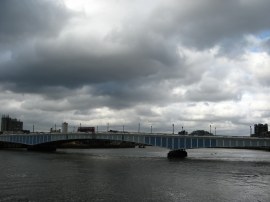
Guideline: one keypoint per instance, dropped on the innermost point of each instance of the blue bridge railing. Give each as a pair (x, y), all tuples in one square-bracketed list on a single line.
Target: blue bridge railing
[(159, 140)]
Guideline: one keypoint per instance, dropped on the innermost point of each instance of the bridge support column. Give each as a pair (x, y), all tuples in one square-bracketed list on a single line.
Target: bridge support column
[(179, 153)]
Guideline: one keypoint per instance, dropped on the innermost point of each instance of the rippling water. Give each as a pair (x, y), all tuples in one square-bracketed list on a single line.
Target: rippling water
[(134, 175)]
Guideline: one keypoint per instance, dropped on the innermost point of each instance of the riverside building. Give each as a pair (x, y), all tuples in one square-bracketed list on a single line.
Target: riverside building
[(10, 125), (261, 130)]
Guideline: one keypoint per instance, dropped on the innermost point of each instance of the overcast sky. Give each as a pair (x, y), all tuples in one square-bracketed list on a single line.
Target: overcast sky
[(155, 62)]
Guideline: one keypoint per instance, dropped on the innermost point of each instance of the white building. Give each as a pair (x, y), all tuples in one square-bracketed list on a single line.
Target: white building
[(64, 127)]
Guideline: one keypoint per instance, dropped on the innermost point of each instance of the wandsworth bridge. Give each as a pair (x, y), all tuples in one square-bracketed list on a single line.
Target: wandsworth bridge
[(169, 141)]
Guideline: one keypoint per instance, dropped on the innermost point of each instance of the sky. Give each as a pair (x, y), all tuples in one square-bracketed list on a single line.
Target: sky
[(154, 63)]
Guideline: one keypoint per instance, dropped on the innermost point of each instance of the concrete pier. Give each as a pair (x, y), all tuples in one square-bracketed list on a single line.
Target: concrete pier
[(179, 153)]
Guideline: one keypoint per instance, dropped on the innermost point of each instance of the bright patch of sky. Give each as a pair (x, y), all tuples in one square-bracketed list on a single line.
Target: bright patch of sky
[(264, 35)]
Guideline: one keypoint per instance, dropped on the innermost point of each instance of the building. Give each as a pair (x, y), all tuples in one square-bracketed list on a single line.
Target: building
[(9, 124), (86, 129), (64, 127), (261, 130)]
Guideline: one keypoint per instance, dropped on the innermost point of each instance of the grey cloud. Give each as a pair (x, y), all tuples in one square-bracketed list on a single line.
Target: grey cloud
[(123, 78), (73, 72), (148, 57), (266, 45), (207, 23), (129, 70), (20, 20), (210, 89)]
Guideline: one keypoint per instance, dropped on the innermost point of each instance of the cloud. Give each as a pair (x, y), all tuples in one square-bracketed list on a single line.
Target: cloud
[(118, 62), (208, 23), (28, 19)]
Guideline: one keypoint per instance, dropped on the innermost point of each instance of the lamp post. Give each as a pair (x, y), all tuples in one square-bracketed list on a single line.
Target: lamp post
[(108, 125), (210, 128), (173, 128), (139, 127), (151, 129)]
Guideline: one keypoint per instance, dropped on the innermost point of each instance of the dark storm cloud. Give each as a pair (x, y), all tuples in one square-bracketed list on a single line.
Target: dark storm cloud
[(22, 23), (148, 55), (122, 77), (20, 20), (39, 70), (136, 64)]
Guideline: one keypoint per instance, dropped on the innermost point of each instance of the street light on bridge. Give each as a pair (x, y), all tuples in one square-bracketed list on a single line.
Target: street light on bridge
[(173, 128)]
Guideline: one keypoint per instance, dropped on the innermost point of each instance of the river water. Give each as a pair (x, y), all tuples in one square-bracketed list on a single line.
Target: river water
[(134, 175)]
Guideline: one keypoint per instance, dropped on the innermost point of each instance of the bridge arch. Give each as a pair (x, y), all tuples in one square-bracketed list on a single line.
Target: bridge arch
[(172, 142)]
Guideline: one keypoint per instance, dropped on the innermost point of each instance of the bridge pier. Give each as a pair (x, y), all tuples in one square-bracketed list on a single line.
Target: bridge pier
[(179, 153)]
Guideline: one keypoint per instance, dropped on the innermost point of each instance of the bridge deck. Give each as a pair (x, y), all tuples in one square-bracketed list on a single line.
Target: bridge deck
[(159, 140)]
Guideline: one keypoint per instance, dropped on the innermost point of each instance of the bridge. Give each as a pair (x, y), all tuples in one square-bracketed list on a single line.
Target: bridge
[(170, 141)]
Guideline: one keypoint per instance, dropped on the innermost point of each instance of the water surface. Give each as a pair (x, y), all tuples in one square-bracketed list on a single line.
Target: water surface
[(134, 175)]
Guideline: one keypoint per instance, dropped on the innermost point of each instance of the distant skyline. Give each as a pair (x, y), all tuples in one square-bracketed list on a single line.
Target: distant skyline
[(156, 62)]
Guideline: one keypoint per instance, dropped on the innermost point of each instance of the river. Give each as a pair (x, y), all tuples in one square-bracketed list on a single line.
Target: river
[(134, 175)]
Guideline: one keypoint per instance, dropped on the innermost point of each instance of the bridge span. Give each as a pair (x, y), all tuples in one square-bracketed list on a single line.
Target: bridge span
[(169, 141)]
